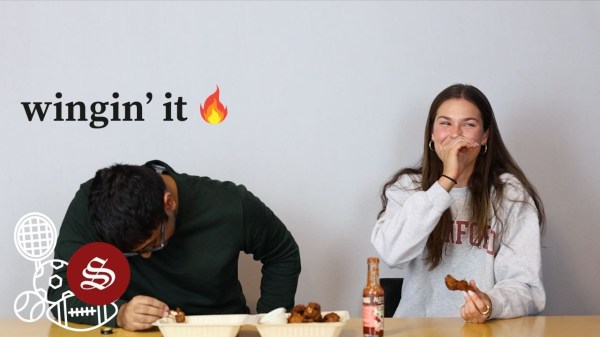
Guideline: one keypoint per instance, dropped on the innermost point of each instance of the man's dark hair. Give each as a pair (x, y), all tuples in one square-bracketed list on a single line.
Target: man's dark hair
[(126, 204)]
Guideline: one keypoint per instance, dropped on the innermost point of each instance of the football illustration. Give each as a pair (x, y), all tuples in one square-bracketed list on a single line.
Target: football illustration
[(64, 314)]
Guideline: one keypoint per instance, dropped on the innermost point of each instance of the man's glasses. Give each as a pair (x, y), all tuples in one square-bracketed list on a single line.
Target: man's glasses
[(151, 249)]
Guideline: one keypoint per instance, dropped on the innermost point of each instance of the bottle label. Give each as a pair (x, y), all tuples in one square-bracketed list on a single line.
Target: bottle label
[(373, 315)]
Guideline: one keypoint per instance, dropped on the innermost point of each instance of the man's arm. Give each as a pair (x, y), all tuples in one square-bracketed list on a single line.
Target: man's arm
[(267, 238)]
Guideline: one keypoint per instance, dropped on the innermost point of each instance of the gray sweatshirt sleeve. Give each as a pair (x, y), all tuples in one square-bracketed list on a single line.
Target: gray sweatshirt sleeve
[(518, 289), (401, 232)]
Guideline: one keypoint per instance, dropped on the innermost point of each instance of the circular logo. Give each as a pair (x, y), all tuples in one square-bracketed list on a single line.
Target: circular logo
[(98, 273)]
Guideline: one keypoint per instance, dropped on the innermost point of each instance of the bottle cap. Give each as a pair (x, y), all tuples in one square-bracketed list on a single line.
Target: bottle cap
[(106, 331)]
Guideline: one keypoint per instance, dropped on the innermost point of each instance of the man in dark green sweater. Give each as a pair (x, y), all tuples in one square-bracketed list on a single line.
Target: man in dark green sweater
[(183, 235)]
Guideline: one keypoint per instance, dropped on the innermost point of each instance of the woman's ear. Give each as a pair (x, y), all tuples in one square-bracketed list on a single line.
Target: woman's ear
[(484, 139)]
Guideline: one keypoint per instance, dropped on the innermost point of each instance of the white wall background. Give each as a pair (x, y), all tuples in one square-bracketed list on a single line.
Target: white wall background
[(326, 100)]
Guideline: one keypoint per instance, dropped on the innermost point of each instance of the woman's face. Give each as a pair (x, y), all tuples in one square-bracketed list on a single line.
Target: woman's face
[(458, 117)]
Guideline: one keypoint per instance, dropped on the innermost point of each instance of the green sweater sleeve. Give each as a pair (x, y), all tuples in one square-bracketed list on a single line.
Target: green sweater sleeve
[(268, 240)]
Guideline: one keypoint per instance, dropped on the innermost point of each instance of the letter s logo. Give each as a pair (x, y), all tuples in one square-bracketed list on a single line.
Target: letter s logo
[(92, 273), (98, 273)]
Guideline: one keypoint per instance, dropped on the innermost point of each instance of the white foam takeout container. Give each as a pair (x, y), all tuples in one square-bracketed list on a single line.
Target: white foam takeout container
[(203, 325), (229, 326), (305, 329)]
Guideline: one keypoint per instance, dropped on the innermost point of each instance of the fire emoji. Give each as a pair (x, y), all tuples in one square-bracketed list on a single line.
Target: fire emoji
[(213, 111)]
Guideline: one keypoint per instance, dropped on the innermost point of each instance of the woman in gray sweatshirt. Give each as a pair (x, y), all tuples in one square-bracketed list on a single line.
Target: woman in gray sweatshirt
[(466, 210)]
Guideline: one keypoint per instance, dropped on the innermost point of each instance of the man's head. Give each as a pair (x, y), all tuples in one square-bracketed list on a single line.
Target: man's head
[(126, 204)]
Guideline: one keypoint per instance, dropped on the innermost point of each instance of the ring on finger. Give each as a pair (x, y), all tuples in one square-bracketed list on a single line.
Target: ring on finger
[(487, 310)]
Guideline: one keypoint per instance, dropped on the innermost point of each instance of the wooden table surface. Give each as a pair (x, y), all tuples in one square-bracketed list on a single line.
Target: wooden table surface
[(547, 326)]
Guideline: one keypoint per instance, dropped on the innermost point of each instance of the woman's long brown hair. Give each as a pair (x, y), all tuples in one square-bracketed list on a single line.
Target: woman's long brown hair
[(489, 166)]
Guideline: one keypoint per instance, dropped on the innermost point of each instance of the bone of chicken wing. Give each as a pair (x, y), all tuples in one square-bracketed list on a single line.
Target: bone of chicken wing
[(454, 284), (178, 315)]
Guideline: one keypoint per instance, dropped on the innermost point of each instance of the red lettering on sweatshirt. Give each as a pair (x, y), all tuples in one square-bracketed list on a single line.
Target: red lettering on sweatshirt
[(460, 232), (465, 232)]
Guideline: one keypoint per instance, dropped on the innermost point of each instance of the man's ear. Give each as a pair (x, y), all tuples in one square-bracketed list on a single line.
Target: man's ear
[(169, 201)]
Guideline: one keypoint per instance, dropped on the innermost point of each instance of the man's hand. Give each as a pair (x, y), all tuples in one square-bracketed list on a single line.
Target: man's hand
[(140, 313)]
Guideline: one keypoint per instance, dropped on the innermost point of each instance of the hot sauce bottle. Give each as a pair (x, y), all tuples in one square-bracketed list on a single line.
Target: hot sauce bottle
[(373, 301)]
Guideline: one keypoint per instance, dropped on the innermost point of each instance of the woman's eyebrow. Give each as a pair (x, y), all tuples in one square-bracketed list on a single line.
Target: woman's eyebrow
[(463, 119)]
